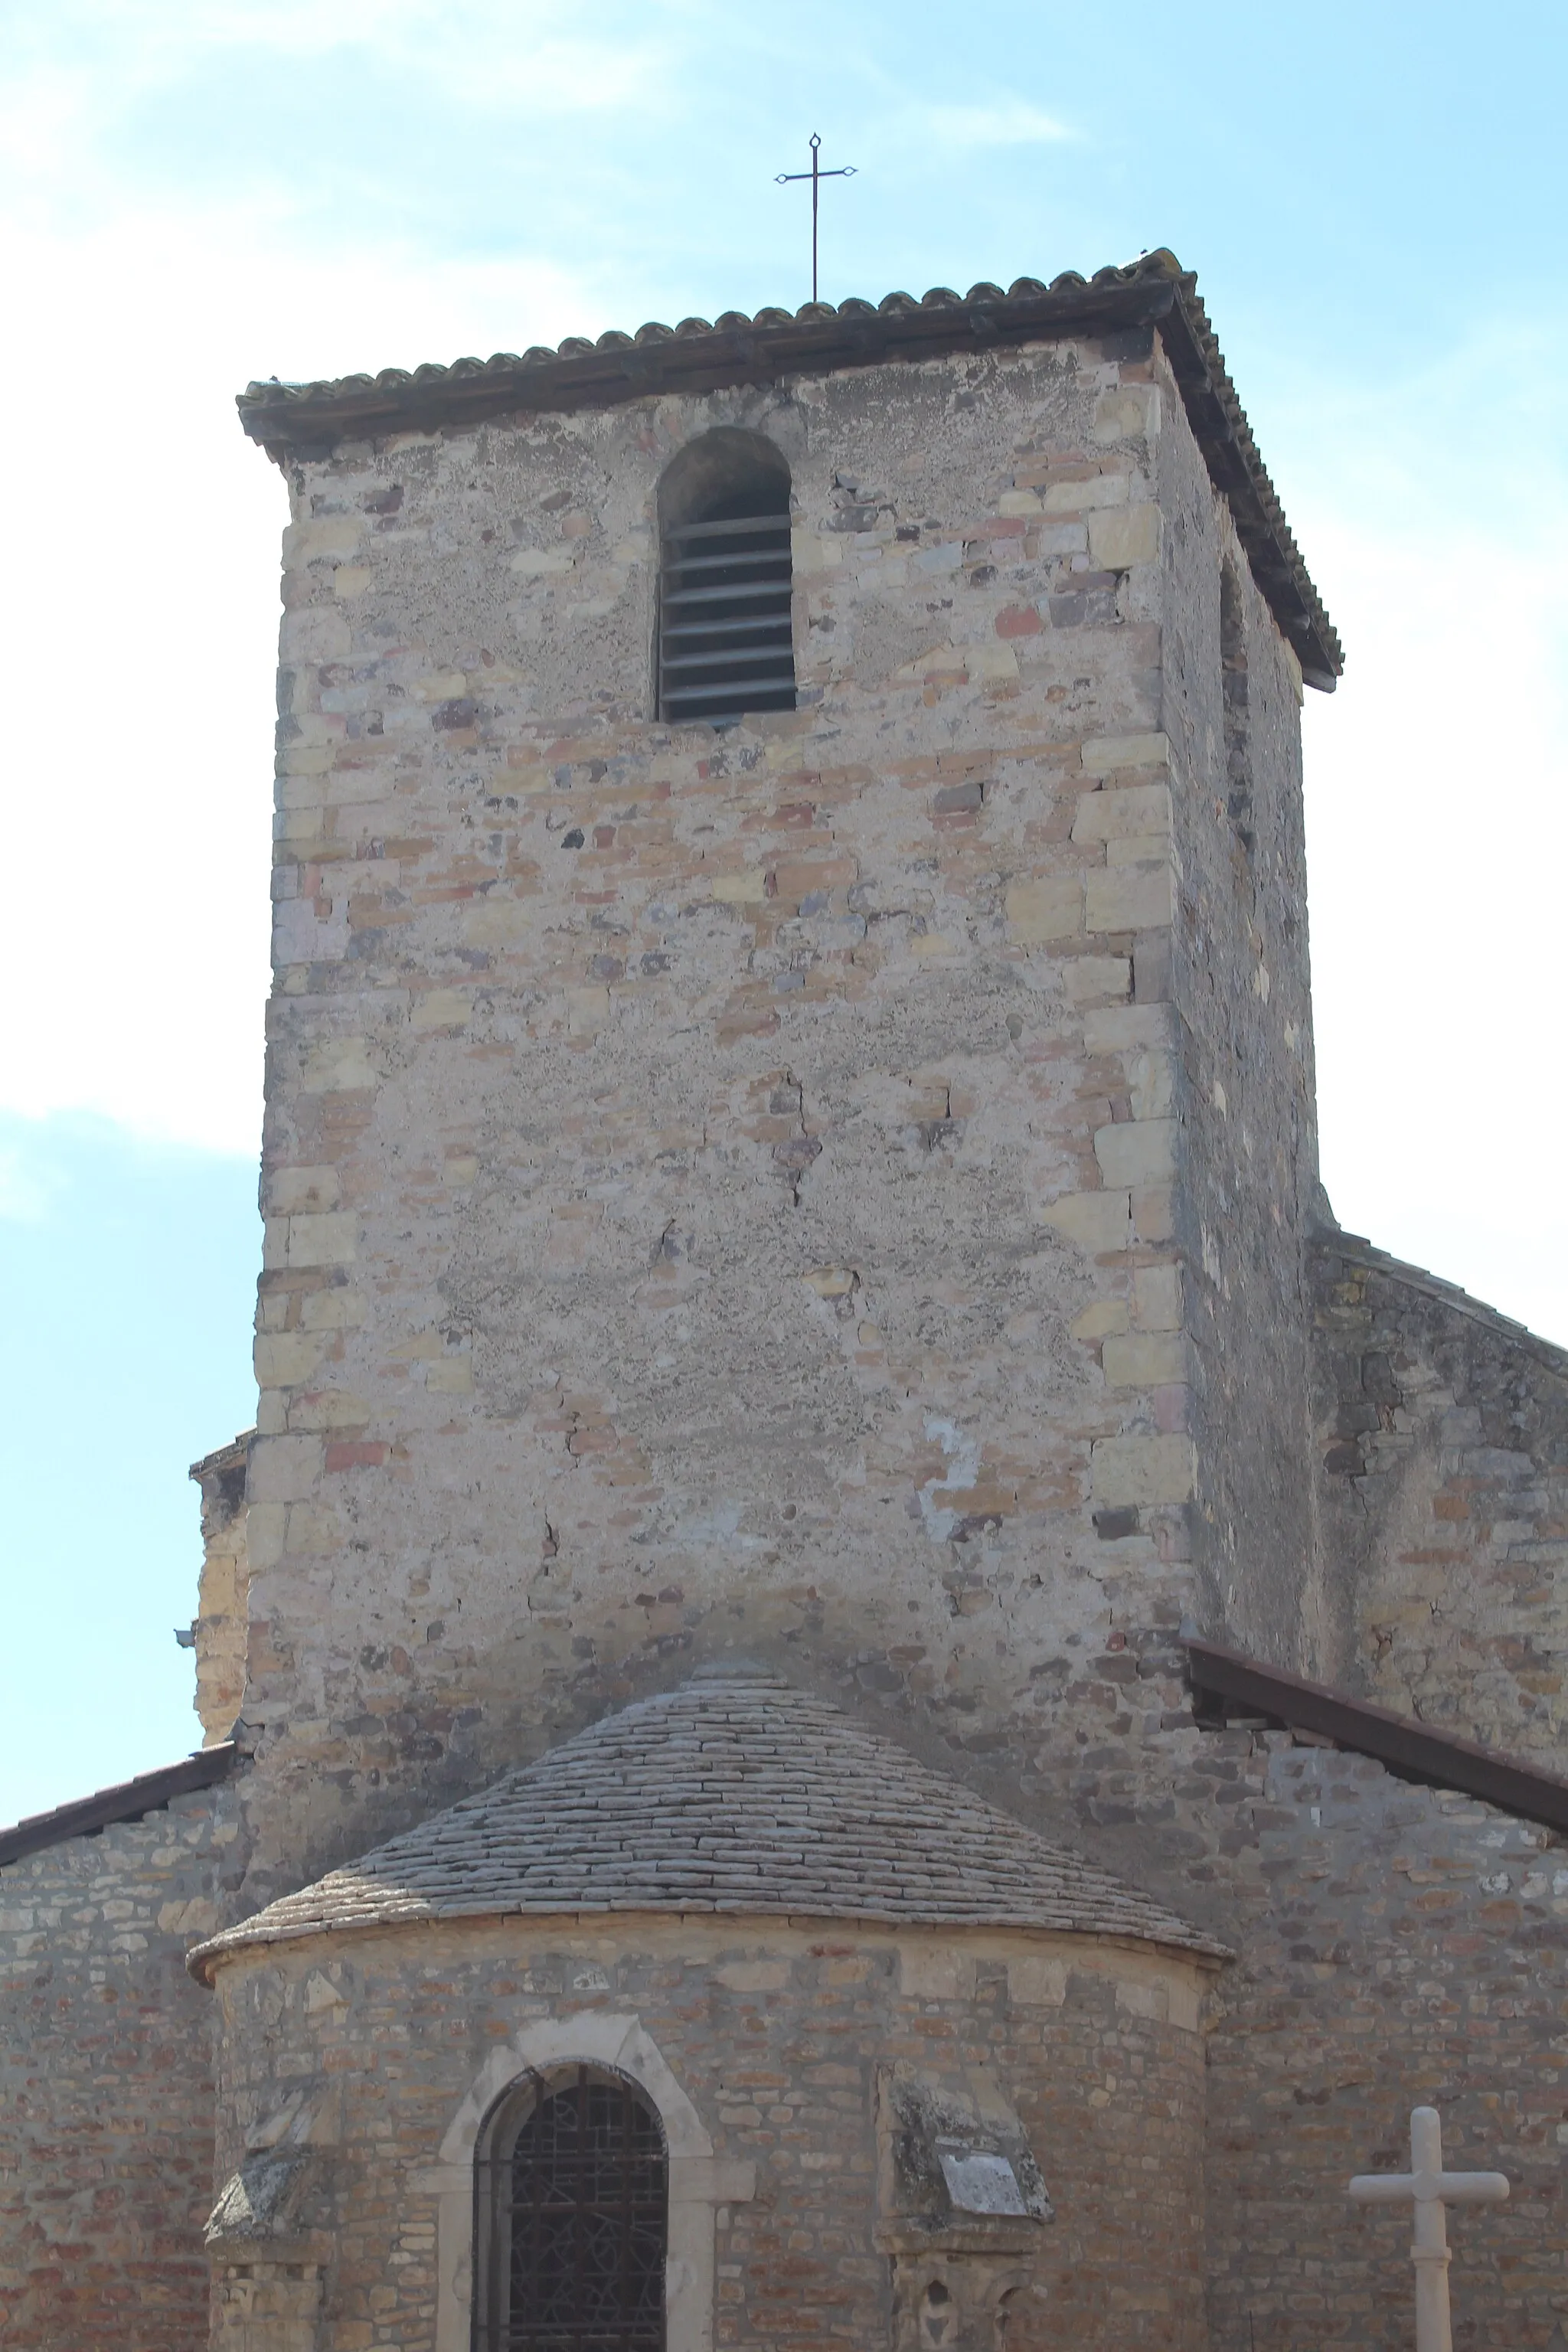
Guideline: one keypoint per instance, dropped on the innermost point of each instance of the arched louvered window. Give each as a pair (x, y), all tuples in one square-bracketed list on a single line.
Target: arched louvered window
[(571, 2217), (725, 642)]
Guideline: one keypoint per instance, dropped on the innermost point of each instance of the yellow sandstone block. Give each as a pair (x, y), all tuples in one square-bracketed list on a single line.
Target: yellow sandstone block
[(1128, 1028), (1151, 1081), (1157, 1298), (990, 661), (332, 537), (1090, 975), (338, 1065), (1099, 491), (329, 1240), (1037, 1983), (1126, 414), (1142, 1470), (290, 1189), (1096, 1322), (1123, 812), (1052, 908), (1146, 1359), (1102, 755), (498, 922), (266, 1526), (314, 1530), (340, 1308), (747, 889), (1097, 1221), (1138, 849), (440, 1008), (453, 1377), (285, 1360), (1117, 539), (1129, 899), (1138, 1152), (329, 1408)]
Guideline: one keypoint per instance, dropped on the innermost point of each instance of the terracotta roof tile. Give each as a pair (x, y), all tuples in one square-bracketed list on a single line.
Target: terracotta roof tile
[(701, 355)]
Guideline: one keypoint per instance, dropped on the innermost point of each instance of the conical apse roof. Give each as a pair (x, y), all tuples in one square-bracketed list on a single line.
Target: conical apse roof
[(734, 1793)]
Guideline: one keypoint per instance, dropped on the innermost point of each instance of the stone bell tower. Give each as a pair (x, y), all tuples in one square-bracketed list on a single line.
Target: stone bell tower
[(790, 1114)]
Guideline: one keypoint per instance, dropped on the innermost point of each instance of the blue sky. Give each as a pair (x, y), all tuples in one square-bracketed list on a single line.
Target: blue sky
[(195, 191)]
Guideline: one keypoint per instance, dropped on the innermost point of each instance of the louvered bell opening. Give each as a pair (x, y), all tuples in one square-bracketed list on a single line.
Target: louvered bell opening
[(725, 645)]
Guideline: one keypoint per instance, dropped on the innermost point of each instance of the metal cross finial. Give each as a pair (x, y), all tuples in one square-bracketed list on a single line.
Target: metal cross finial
[(1432, 2190), (816, 175)]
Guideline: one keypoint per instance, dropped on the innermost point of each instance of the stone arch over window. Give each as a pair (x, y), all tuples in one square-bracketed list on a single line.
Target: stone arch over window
[(571, 2216), (698, 2183), (725, 633)]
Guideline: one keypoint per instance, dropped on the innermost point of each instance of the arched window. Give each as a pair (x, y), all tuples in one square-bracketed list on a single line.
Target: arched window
[(725, 641), (572, 2217)]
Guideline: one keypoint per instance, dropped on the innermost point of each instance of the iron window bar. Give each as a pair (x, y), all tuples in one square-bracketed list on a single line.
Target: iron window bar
[(572, 2208)]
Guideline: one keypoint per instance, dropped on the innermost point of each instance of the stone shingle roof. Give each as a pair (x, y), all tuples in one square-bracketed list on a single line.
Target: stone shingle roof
[(701, 355), (734, 1793)]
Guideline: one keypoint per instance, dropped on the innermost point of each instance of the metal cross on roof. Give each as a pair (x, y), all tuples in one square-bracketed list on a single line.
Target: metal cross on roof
[(817, 176), (1432, 2190)]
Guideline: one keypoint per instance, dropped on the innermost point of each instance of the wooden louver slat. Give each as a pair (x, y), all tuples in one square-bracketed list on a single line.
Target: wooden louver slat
[(726, 642)]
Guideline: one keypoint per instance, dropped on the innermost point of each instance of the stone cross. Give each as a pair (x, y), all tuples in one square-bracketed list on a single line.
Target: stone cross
[(1432, 2190)]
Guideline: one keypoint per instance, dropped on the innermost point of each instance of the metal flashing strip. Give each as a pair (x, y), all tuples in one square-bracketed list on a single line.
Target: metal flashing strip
[(1440, 1760), (127, 1802)]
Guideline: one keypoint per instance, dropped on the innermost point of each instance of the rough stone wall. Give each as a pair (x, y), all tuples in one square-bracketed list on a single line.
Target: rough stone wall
[(1443, 1459), (777, 2034), (1398, 1946), (106, 2118), (219, 1632), (1242, 1008), (718, 1184)]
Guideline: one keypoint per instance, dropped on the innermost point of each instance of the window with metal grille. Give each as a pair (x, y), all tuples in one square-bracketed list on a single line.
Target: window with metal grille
[(570, 2219), (726, 645)]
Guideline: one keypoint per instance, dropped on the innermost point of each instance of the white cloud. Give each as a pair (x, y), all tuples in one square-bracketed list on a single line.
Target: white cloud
[(1012, 122), (26, 1188), (1438, 818), (139, 608)]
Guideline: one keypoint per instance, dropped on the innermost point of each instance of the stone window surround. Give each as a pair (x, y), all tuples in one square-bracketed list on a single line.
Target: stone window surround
[(698, 2183)]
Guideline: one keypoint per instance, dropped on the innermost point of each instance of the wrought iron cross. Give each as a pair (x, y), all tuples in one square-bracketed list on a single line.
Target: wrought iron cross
[(817, 176), (1431, 2190)]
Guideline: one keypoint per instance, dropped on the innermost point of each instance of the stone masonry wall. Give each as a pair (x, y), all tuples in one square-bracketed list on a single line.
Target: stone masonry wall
[(220, 1629), (106, 2120), (719, 1183), (1241, 997), (1398, 1946), (1443, 1453), (776, 2032)]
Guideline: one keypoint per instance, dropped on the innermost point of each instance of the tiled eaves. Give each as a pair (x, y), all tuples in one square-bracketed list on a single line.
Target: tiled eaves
[(128, 1801), (1153, 293)]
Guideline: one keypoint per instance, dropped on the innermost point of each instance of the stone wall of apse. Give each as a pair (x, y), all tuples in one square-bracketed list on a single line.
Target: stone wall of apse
[(782, 2038)]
